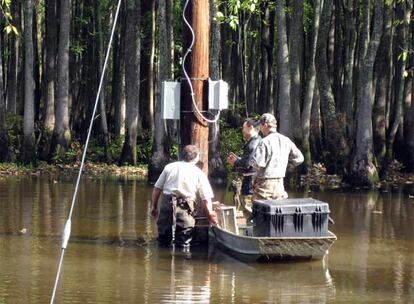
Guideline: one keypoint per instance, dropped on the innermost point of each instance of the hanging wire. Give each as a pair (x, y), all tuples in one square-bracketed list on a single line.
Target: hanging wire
[(189, 49), (67, 229)]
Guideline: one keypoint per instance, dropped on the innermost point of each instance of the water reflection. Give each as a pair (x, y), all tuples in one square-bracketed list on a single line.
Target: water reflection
[(109, 259)]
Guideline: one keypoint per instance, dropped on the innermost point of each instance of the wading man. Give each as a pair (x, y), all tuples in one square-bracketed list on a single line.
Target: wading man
[(182, 184), (271, 158)]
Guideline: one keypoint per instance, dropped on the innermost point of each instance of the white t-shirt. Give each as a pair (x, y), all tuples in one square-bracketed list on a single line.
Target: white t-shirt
[(184, 179)]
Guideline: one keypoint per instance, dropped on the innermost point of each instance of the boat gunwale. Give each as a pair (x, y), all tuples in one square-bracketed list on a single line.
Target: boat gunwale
[(330, 236)]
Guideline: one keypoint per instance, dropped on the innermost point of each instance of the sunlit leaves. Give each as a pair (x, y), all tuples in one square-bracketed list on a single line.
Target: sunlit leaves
[(5, 11), (233, 8), (10, 28), (403, 56)]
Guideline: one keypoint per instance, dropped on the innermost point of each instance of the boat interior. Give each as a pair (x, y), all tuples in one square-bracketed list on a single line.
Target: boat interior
[(232, 220)]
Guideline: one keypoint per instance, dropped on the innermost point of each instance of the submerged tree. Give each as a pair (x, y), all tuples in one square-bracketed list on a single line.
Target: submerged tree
[(335, 144), (4, 140), (132, 79), (310, 85), (160, 153), (28, 153), (216, 167), (61, 134), (284, 104), (50, 76), (363, 169)]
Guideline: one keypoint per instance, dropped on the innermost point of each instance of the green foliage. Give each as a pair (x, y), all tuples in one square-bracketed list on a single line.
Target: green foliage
[(115, 149), (96, 151), (144, 148), (308, 16), (174, 151), (5, 11), (233, 8), (14, 127), (231, 140), (67, 157), (77, 48)]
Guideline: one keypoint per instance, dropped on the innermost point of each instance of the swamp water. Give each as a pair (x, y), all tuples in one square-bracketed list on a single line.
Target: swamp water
[(111, 257)]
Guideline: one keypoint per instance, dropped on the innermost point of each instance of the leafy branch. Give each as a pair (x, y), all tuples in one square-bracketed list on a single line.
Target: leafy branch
[(5, 10)]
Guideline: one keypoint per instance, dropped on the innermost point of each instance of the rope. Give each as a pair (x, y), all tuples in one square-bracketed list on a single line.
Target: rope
[(66, 231)]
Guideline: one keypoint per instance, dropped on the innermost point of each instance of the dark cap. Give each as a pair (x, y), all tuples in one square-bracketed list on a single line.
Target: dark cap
[(268, 119), (251, 122)]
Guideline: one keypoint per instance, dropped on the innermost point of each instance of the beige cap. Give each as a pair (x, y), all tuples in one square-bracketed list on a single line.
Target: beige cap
[(268, 119)]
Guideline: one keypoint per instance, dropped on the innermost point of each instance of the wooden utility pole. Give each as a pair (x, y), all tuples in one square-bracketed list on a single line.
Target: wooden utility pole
[(194, 129)]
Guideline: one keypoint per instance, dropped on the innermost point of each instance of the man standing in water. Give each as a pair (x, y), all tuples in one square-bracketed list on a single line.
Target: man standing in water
[(181, 183), (242, 165), (270, 160)]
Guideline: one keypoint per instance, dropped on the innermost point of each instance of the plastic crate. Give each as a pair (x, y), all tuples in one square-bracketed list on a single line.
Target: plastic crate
[(303, 217)]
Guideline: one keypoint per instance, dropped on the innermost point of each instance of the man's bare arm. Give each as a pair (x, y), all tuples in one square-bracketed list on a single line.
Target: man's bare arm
[(156, 192), (210, 213)]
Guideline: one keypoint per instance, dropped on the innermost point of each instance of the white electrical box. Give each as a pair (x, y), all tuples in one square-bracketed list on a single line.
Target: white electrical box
[(218, 92), (170, 100)]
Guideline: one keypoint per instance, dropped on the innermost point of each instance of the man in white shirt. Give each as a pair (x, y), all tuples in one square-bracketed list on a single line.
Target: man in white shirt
[(270, 160), (182, 184)]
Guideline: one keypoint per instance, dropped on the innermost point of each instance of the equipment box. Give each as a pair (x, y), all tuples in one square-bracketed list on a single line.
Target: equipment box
[(303, 217)]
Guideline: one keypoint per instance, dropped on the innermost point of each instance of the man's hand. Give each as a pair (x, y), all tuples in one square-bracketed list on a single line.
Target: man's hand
[(212, 217), (232, 158), (154, 213)]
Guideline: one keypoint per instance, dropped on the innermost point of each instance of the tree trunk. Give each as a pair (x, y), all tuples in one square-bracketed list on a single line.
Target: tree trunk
[(315, 137), (13, 70), (363, 169), (403, 15), (338, 18), (132, 79), (348, 61), (216, 166), (228, 57), (296, 65), (335, 145), (37, 55), (160, 148), (4, 140), (238, 62), (284, 106), (382, 70), (409, 129), (310, 85), (28, 149), (118, 78), (50, 76), (266, 48), (61, 134), (252, 71), (151, 83), (100, 56)]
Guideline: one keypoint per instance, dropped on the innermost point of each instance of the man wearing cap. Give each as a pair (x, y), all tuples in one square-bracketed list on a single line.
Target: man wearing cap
[(242, 165), (270, 160), (181, 183)]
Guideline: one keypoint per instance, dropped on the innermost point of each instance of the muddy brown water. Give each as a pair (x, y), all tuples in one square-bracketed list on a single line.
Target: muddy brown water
[(111, 257)]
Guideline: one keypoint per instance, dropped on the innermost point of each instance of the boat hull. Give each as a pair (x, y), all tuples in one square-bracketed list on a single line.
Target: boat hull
[(272, 248)]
